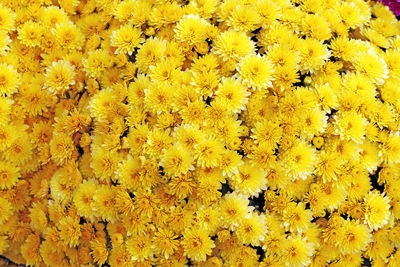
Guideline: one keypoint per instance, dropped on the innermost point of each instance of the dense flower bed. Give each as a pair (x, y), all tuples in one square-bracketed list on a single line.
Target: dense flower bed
[(204, 132)]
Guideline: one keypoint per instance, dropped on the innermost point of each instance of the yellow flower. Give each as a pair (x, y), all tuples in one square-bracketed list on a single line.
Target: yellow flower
[(157, 140), (326, 97), (20, 150), (176, 160), (61, 148), (232, 94), (145, 203), (328, 166), (389, 149), (350, 14), (104, 203), (164, 71), (230, 161), (296, 218), (35, 100), (30, 250), (140, 247), (249, 181), (208, 152), (233, 45), (165, 242), (30, 33), (68, 36), (83, 198), (151, 52), (159, 97), (313, 54), (52, 15), (5, 109), (7, 136), (119, 256), (99, 250), (59, 77), (267, 132), (191, 29), (133, 11), (233, 208), (244, 18), (9, 175), (350, 125), (297, 252), (9, 80), (197, 244), (369, 156), (251, 229), (342, 47), (4, 42), (353, 237), (284, 77), (5, 210), (377, 210), (129, 173), (299, 160), (316, 27), (96, 62), (256, 72), (7, 19), (70, 231), (314, 122), (104, 163), (126, 39), (38, 217), (372, 66), (392, 58)]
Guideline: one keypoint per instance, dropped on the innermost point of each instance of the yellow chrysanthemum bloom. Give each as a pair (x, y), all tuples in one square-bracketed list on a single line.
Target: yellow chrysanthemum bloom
[(251, 229), (197, 244), (61, 148), (299, 160), (353, 237), (4, 43), (297, 252), (30, 33), (191, 29), (68, 36), (233, 45), (140, 247), (7, 18), (9, 175), (9, 80), (70, 231), (59, 77), (248, 180), (99, 250), (372, 66), (165, 242), (176, 160), (256, 72), (5, 210), (5, 109), (296, 218), (350, 125), (126, 39), (377, 210), (390, 148)]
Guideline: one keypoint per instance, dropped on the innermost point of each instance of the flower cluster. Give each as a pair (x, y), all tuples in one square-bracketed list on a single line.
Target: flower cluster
[(201, 132)]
